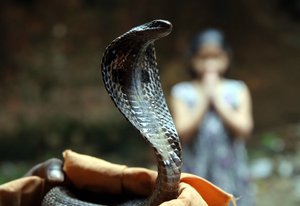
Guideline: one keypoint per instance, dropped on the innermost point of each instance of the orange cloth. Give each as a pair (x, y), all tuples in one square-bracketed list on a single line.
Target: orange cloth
[(98, 175)]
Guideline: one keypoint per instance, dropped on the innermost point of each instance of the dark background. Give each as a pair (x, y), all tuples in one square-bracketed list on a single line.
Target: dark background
[(51, 92)]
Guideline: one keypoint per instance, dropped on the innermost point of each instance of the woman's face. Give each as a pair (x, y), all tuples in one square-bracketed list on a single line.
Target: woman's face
[(210, 58)]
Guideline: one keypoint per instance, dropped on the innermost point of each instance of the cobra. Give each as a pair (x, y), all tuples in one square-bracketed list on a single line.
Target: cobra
[(131, 78)]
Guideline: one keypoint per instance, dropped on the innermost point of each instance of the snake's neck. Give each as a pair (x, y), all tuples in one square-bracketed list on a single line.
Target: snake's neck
[(167, 182)]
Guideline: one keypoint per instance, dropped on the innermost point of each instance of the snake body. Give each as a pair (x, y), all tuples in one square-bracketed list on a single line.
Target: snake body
[(131, 78)]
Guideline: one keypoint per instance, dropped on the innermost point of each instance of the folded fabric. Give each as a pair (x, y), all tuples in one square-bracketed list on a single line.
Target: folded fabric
[(97, 175)]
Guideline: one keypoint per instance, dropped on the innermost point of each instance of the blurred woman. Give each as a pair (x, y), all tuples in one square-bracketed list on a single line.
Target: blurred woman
[(213, 117)]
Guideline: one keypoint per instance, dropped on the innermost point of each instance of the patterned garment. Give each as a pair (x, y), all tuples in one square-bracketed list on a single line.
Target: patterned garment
[(214, 154)]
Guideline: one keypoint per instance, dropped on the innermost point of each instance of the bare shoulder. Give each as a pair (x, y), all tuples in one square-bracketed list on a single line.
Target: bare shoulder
[(183, 89), (239, 88), (236, 85)]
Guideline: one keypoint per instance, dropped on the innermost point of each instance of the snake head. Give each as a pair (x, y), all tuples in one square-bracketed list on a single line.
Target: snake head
[(153, 30)]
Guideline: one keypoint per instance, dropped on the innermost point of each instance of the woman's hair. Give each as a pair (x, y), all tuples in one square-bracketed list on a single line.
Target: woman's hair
[(213, 36)]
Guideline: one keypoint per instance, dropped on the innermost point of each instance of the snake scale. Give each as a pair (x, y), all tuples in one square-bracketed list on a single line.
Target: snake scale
[(131, 78)]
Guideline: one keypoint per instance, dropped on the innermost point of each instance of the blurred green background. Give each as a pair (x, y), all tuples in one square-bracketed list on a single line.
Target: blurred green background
[(52, 95)]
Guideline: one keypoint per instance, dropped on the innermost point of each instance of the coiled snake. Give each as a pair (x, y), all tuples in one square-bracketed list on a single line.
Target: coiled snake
[(131, 78)]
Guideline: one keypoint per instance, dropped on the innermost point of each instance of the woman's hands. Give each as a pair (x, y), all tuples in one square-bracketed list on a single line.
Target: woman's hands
[(187, 118), (211, 82), (238, 120)]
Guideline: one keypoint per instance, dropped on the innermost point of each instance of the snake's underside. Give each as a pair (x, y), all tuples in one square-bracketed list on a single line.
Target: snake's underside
[(130, 75)]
